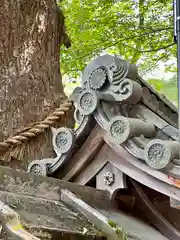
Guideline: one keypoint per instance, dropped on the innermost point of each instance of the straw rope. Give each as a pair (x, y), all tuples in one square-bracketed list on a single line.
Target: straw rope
[(36, 130)]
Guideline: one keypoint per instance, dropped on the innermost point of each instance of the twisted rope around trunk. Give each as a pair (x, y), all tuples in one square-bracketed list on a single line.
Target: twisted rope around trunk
[(38, 129)]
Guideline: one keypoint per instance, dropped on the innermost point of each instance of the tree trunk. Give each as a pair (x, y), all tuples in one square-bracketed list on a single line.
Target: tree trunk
[(30, 82)]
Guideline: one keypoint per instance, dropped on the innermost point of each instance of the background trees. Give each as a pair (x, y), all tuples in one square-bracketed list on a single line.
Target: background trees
[(139, 30)]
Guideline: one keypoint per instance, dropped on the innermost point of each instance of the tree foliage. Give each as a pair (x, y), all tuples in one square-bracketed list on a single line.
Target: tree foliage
[(167, 88), (139, 30)]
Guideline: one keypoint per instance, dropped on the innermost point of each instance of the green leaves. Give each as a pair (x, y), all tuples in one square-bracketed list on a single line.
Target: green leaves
[(159, 85), (132, 29), (167, 88), (141, 31)]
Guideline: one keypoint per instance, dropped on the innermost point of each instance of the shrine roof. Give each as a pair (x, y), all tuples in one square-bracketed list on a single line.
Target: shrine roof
[(115, 105)]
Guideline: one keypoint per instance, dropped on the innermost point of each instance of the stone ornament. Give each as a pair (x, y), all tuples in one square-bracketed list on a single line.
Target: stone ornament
[(37, 167), (122, 128), (75, 94), (159, 153), (107, 78), (113, 78), (63, 140), (98, 78), (120, 101), (87, 102), (78, 116), (118, 129), (109, 178)]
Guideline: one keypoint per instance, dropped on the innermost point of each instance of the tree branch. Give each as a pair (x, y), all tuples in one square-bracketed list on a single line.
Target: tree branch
[(157, 49)]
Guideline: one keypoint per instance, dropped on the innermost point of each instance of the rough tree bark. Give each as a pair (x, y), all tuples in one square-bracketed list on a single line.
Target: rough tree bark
[(30, 82)]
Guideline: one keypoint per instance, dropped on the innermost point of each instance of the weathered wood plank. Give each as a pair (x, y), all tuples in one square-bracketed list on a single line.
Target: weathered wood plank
[(95, 217), (94, 167), (45, 187), (155, 217), (12, 226), (85, 155), (136, 229), (42, 217)]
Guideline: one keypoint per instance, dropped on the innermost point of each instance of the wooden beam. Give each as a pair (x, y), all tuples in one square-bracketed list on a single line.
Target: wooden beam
[(94, 167), (12, 224), (125, 162), (43, 218), (94, 216), (85, 155)]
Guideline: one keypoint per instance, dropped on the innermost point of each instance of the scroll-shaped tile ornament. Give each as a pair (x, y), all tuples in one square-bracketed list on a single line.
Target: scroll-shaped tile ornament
[(113, 78), (159, 153), (87, 102), (105, 79), (38, 167), (122, 128), (63, 140), (98, 78)]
